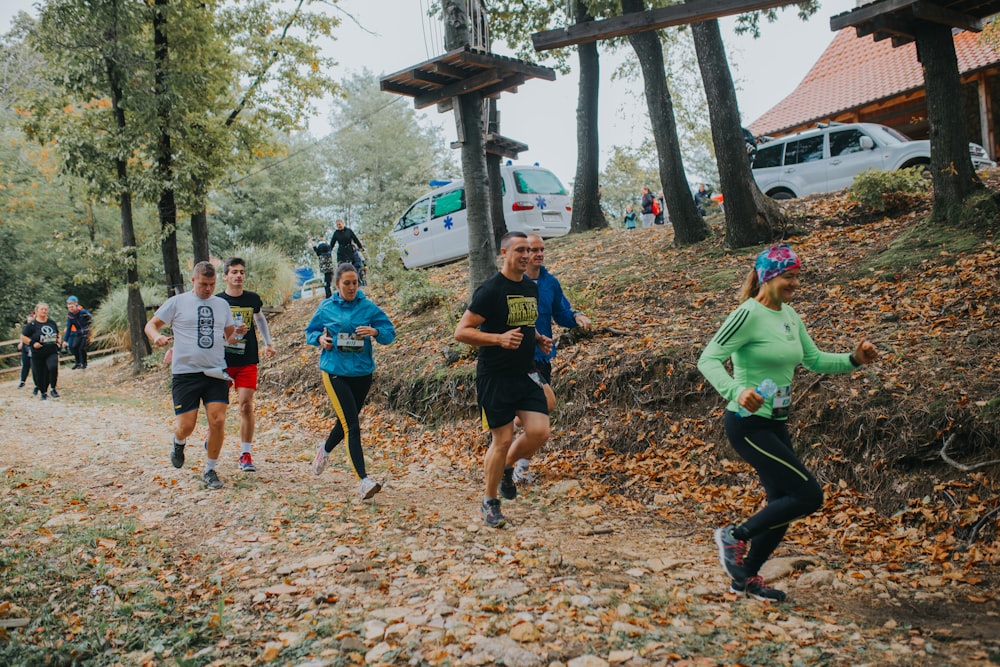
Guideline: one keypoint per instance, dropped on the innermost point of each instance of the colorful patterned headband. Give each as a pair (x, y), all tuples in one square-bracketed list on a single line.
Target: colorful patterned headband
[(776, 260)]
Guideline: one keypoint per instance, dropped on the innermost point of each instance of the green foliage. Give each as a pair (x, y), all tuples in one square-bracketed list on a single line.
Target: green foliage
[(415, 293), (886, 191), (275, 204), (269, 273)]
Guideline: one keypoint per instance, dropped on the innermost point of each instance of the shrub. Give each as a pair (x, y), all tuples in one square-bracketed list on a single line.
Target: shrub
[(887, 191), (269, 273), (111, 317)]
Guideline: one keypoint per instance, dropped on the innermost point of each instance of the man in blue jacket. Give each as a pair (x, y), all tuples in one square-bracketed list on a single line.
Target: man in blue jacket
[(552, 305)]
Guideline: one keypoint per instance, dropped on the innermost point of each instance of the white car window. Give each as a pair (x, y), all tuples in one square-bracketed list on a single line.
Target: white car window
[(845, 142), (809, 149)]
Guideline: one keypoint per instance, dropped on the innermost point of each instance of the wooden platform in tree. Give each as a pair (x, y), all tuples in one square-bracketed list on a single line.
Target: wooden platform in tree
[(460, 72)]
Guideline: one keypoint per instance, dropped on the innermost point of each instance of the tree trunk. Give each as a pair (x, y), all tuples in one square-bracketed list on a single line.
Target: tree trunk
[(751, 216), (469, 123), (689, 227), (587, 212), (199, 236), (482, 253), (166, 207), (136, 309), (951, 169), (497, 221)]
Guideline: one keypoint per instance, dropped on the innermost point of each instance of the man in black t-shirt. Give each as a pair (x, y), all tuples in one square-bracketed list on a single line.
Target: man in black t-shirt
[(500, 321), (242, 354)]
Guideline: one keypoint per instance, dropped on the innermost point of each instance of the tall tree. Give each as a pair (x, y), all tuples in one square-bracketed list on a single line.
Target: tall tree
[(95, 59), (587, 212), (689, 227), (469, 124), (951, 170), (282, 75), (751, 216), (513, 21)]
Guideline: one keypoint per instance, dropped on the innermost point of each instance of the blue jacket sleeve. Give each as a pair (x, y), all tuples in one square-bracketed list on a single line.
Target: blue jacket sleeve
[(386, 331), (562, 312), (315, 327)]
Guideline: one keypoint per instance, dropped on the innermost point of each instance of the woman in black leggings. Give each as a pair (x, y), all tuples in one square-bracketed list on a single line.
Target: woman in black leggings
[(344, 326), (766, 340), (42, 335)]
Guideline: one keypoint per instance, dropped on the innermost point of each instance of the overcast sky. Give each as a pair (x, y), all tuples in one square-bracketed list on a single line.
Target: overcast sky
[(542, 113)]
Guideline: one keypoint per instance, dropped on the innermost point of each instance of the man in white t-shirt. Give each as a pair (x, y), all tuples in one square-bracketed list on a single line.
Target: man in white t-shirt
[(202, 324)]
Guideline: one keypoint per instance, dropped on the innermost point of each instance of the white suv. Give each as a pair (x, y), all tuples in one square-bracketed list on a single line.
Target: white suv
[(829, 156)]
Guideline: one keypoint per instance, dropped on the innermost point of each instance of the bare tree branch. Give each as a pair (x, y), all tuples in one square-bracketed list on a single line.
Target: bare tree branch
[(961, 466)]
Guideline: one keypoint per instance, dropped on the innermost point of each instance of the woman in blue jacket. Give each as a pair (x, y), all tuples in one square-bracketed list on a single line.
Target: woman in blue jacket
[(344, 326)]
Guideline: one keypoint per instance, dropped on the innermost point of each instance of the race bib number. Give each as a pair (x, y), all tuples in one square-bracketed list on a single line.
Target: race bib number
[(348, 342), (782, 404)]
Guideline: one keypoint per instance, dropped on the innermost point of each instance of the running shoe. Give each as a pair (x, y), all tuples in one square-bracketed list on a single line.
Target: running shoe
[(34, 392), (20, 385), (246, 463), (319, 462), (524, 477), (490, 511), (55, 394), (508, 489), (44, 396), (731, 552), (177, 455), (754, 587), (211, 480), (368, 488)]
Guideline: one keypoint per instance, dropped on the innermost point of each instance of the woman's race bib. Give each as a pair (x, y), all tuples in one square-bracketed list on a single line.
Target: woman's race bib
[(348, 342)]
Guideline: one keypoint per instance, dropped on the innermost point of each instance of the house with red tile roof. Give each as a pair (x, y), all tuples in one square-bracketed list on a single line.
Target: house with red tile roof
[(859, 79)]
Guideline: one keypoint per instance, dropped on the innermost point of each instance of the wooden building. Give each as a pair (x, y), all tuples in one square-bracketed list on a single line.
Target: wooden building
[(861, 79)]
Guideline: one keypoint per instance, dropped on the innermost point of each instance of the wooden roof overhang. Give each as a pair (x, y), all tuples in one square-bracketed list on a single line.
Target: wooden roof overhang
[(896, 19), (459, 72)]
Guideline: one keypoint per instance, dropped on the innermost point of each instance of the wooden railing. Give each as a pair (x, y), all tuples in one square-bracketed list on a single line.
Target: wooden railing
[(94, 349)]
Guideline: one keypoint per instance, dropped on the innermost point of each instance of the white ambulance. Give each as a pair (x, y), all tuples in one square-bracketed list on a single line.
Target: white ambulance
[(434, 229)]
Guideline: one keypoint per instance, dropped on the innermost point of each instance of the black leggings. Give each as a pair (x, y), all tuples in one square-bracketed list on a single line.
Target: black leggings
[(45, 369), (25, 363), (79, 349), (792, 491), (347, 396)]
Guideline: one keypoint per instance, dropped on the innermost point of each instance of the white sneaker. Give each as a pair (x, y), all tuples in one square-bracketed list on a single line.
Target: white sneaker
[(368, 488), (524, 477), (319, 463)]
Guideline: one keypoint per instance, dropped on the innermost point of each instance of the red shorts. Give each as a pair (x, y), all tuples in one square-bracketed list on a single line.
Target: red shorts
[(243, 376)]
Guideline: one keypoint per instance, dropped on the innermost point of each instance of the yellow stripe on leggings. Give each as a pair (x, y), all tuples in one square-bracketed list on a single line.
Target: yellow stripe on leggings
[(339, 409)]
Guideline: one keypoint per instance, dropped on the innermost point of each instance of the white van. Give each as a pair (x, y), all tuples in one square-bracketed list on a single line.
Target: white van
[(434, 229)]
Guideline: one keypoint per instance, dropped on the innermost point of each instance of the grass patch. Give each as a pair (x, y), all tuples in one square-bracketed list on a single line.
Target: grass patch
[(924, 241)]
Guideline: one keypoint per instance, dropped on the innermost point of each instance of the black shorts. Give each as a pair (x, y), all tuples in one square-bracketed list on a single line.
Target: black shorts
[(500, 397), (191, 389)]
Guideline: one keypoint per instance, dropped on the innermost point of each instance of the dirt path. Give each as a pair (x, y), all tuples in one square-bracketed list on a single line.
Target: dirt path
[(115, 557)]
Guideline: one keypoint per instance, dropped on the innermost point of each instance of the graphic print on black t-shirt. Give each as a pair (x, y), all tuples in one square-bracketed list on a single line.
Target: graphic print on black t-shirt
[(522, 311), (206, 327)]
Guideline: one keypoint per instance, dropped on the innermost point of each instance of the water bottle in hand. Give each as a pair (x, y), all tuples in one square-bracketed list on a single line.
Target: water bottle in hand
[(766, 389)]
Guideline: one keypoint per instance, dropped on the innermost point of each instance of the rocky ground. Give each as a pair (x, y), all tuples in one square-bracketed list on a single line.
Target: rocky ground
[(111, 556)]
